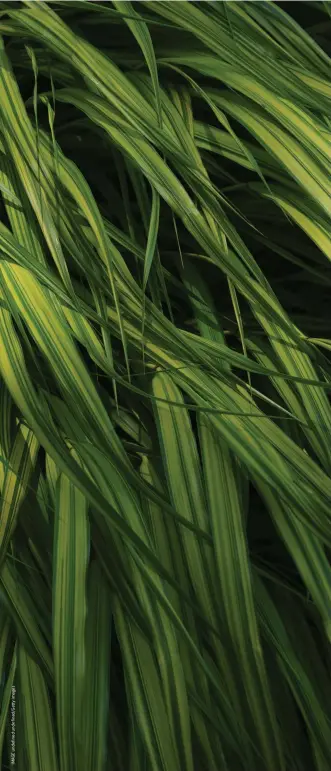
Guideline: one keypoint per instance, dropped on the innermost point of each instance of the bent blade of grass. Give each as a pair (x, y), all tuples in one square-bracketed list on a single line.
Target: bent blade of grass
[(170, 552), (234, 582), (71, 553), (143, 683), (183, 473), (184, 478), (172, 675), (96, 684)]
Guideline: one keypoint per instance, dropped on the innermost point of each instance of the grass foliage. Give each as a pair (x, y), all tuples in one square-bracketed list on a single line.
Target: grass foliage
[(165, 421)]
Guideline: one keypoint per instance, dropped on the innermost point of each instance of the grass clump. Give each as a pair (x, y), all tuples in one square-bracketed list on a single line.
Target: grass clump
[(164, 386)]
